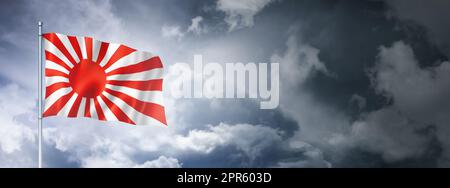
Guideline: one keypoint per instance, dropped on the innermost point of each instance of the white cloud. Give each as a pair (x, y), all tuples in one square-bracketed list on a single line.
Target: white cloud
[(106, 146), (304, 164), (312, 157), (17, 132), (419, 102), (83, 18), (239, 13), (107, 153), (251, 139), (196, 27), (172, 31), (15, 102), (175, 31), (161, 162), (298, 63), (93, 144), (112, 154), (388, 132)]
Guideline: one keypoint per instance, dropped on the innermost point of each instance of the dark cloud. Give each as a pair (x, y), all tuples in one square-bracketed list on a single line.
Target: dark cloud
[(432, 15)]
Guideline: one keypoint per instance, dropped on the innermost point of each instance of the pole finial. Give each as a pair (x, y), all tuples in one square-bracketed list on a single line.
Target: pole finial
[(40, 23)]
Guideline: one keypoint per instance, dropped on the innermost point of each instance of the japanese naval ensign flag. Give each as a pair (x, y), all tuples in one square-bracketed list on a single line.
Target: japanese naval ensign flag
[(105, 81)]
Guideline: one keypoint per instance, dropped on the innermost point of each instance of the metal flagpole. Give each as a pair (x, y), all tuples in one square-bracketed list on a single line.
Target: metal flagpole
[(40, 96)]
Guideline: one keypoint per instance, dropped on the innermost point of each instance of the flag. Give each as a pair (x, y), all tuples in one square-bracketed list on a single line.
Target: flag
[(105, 81)]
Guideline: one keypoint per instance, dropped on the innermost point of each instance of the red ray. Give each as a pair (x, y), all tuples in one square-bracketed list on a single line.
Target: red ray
[(100, 114), (121, 116), (54, 87), (88, 42), (102, 52), (146, 65), (52, 57), (148, 85), (76, 46), (122, 51), (87, 108), (150, 109), (52, 72), (76, 105), (53, 38), (58, 105)]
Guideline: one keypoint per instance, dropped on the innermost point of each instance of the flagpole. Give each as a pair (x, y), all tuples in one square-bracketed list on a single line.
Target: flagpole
[(40, 96)]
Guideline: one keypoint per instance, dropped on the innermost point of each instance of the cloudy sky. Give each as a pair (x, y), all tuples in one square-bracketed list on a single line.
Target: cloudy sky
[(363, 83)]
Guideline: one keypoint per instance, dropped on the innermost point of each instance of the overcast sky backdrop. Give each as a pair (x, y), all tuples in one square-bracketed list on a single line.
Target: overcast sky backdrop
[(363, 83)]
